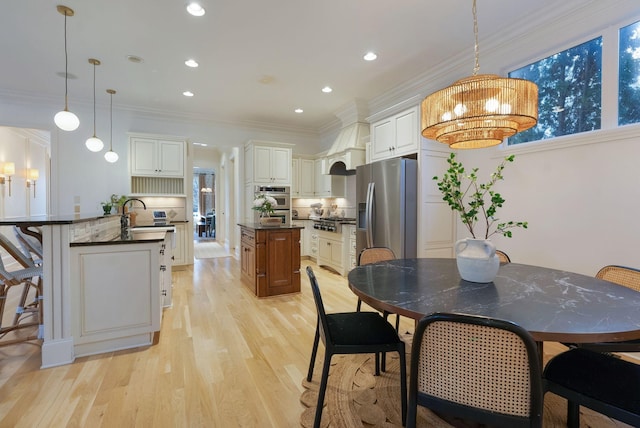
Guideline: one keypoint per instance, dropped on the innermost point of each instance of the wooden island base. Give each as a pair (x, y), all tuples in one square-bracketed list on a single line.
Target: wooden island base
[(270, 259)]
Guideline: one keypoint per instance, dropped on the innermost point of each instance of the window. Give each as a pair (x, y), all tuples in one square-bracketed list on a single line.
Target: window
[(569, 92), (629, 75)]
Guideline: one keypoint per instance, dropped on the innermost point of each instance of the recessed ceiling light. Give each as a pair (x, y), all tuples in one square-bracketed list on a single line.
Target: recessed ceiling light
[(187, 93), (195, 9), (327, 89), (135, 59), (298, 110), (200, 144), (370, 56), (191, 63)]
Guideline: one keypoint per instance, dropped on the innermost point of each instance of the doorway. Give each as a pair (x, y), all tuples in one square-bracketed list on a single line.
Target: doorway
[(204, 205)]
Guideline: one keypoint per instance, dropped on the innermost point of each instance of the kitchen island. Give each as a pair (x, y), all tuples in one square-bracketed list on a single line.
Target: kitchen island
[(270, 258), (101, 287)]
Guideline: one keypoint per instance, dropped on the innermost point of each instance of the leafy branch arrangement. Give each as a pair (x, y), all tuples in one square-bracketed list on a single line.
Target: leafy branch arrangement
[(469, 198)]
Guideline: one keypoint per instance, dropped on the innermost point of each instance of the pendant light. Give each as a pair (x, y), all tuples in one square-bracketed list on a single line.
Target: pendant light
[(64, 119), (481, 110), (94, 143), (111, 156)]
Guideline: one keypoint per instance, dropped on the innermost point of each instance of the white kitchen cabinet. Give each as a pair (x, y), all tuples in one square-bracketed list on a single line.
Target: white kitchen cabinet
[(182, 243), (267, 164), (115, 292), (166, 265), (157, 158), (313, 241), (351, 258), (327, 186), (322, 187), (330, 251), (397, 135), (295, 177), (302, 178), (306, 178)]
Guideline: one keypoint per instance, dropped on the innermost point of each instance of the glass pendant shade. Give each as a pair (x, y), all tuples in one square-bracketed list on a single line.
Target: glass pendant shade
[(66, 120), (94, 144), (111, 156)]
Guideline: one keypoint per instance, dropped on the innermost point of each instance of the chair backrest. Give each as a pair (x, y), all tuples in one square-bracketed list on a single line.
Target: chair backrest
[(504, 258), (23, 259), (29, 243), (478, 368), (375, 254), (622, 275), (317, 298)]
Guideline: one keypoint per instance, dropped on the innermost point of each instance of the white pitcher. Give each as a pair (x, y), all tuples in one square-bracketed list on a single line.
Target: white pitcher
[(477, 260)]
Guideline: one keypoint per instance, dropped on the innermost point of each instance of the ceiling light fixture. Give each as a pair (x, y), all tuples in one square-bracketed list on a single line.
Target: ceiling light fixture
[(191, 63), (111, 156), (327, 89), (299, 110), (370, 56), (188, 93), (195, 8), (481, 110), (64, 119), (94, 143)]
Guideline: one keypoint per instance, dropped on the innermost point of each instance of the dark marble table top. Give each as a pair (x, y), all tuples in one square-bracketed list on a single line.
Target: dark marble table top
[(553, 305)]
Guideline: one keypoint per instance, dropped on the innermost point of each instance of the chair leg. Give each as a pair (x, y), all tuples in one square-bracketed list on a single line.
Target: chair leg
[(359, 305), (377, 362), (573, 415), (314, 351), (323, 388), (403, 382)]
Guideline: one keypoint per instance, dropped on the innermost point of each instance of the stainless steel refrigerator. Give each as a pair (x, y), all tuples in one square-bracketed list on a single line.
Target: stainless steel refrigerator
[(386, 195)]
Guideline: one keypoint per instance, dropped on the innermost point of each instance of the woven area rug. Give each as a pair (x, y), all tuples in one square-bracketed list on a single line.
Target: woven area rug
[(209, 250), (357, 398)]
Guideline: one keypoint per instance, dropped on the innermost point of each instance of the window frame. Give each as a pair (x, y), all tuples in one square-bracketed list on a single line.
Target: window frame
[(610, 130)]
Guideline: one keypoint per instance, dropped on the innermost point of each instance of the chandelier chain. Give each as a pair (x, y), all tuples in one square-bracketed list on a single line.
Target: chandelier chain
[(476, 68)]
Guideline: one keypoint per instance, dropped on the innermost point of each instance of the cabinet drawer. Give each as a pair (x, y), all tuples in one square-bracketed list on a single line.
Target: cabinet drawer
[(248, 237)]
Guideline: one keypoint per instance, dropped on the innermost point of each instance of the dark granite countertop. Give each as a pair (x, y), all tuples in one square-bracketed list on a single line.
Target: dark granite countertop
[(258, 226), (42, 220), (132, 237)]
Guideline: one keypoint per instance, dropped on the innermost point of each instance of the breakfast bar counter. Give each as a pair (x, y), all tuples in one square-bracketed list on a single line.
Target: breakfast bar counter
[(101, 287)]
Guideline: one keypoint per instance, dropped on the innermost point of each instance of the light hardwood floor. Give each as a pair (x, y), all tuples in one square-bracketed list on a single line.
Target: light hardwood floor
[(224, 359)]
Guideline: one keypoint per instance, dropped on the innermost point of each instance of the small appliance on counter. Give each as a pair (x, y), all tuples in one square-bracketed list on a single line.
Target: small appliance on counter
[(294, 214), (159, 217), (316, 211)]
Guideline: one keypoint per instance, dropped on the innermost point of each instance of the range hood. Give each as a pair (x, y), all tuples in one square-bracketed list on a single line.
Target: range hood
[(348, 150)]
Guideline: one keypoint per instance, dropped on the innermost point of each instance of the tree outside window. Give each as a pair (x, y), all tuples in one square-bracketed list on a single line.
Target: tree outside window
[(569, 92), (629, 75)]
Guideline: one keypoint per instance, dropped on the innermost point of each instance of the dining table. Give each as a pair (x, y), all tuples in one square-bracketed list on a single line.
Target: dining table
[(551, 304)]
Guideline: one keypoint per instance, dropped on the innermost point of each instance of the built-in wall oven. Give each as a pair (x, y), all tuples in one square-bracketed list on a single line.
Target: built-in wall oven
[(282, 195)]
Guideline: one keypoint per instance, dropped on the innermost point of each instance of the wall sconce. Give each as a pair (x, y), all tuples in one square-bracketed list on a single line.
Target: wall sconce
[(206, 190), (32, 177), (8, 169)]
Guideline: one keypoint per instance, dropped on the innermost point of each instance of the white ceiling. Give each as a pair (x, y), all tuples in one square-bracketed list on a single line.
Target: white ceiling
[(298, 46)]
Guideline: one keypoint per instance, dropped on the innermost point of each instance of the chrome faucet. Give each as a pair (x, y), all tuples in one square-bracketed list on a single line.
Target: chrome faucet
[(124, 220)]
